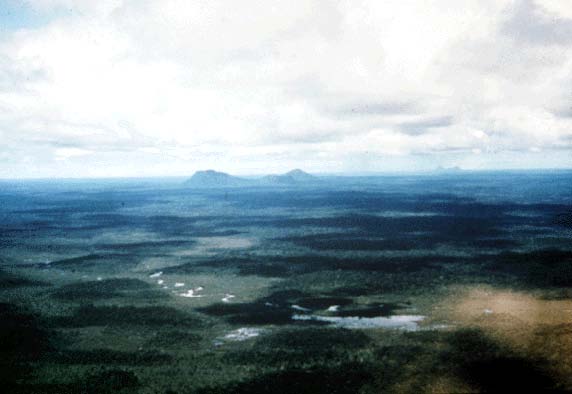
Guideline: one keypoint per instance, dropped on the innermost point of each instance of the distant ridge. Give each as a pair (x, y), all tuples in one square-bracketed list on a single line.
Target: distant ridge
[(301, 176), (213, 179), (293, 177)]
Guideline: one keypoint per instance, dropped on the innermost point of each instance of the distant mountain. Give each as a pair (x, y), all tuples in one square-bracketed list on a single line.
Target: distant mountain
[(211, 178), (294, 177), (301, 176)]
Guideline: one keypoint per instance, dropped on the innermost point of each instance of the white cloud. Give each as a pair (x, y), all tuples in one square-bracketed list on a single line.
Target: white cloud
[(66, 153), (247, 86)]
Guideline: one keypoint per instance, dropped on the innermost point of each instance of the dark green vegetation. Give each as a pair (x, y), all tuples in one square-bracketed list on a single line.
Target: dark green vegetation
[(492, 368), (322, 302), (343, 380), (8, 280), (173, 339), (88, 301), (104, 289), (24, 341), (110, 357), (150, 316), (418, 358), (292, 348), (545, 267), (250, 313)]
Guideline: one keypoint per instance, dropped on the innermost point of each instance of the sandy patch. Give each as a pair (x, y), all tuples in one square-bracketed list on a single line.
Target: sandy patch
[(528, 324)]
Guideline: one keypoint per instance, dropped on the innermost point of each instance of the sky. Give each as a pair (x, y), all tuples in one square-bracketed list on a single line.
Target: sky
[(114, 88)]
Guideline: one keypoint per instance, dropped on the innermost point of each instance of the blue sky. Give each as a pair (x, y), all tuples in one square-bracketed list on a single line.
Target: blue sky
[(149, 88), (16, 15)]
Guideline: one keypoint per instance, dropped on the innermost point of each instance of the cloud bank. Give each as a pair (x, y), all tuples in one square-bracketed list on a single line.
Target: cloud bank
[(133, 88)]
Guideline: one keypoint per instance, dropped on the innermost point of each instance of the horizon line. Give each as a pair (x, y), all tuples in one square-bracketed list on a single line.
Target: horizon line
[(446, 170)]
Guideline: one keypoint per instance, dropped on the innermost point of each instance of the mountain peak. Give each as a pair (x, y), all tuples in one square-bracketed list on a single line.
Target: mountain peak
[(299, 175), (292, 177), (297, 171), (210, 173), (212, 178)]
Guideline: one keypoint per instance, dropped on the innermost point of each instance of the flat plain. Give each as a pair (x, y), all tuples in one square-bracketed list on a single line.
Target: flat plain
[(428, 283)]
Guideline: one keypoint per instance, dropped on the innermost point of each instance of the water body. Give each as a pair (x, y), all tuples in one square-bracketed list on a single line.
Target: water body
[(398, 322)]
